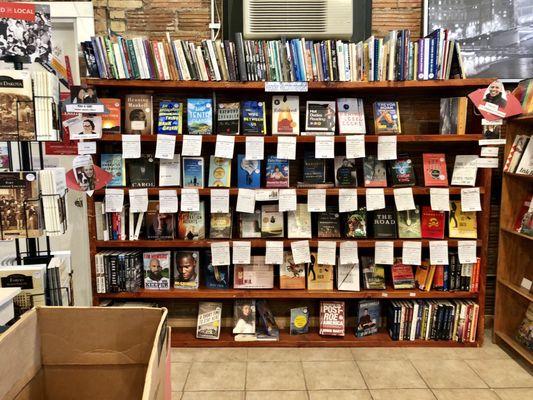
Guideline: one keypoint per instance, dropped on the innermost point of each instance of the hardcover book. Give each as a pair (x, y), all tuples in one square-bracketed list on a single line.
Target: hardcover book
[(384, 224), (409, 224), (299, 321), (141, 171), (351, 116), (291, 275), (248, 173), (373, 274), (345, 172), (320, 116), (435, 173), (228, 118), (209, 320), (432, 223), (186, 272), (285, 115), (256, 275), (386, 117), (355, 226), (221, 225), (348, 276), (277, 172), (244, 316), (271, 221), (111, 120), (216, 277), (193, 172), (170, 121), (157, 270), (314, 170), (219, 172), (319, 276), (159, 226), (453, 112), (402, 173), (375, 172), (368, 317), (116, 166), (328, 223), (253, 118), (16, 94), (250, 225), (199, 116), (170, 171), (461, 224), (299, 223), (138, 114), (402, 275), (191, 224), (332, 318)]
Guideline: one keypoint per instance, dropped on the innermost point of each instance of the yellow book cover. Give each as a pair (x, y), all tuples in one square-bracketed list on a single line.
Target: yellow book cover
[(429, 279), (461, 224), (319, 277)]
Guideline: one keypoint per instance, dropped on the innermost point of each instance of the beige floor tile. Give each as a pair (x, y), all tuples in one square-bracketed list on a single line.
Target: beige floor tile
[(390, 375), (325, 354), (482, 353), (208, 354), (502, 373), (216, 376), (276, 395), (324, 375), (218, 395), (378, 353), (275, 375), (426, 353), (179, 354), (339, 395), (514, 394), (178, 375), (448, 374), (465, 394), (273, 354), (402, 394), (176, 396)]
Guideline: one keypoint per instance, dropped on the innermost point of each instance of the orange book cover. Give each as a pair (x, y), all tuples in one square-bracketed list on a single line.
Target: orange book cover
[(111, 121)]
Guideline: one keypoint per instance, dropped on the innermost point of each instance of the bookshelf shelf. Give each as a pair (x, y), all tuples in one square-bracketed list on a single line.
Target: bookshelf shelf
[(520, 235), (523, 177), (517, 289), (520, 349)]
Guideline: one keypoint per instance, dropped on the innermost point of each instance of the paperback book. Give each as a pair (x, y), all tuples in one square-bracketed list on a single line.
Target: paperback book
[(193, 172), (368, 317), (432, 223), (299, 321), (384, 224), (319, 276), (157, 270), (256, 275), (228, 118), (299, 223), (345, 172), (221, 225), (18, 116), (461, 224), (191, 224), (435, 173), (291, 275), (373, 274), (332, 318), (159, 226), (219, 172), (111, 121), (402, 275), (348, 276), (209, 320), (409, 224), (244, 316), (253, 118), (402, 172), (314, 171), (187, 273), (138, 114), (351, 116), (453, 111), (141, 171), (170, 120), (356, 226), (328, 223), (250, 225), (271, 221), (170, 171), (248, 173), (320, 117), (277, 172), (199, 117), (285, 115), (375, 172), (386, 117), (116, 166), (216, 277)]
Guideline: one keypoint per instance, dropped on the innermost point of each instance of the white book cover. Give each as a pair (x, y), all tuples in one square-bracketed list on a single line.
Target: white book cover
[(521, 144), (169, 171), (299, 223), (348, 277), (526, 162), (285, 115), (30, 278), (465, 170), (351, 116)]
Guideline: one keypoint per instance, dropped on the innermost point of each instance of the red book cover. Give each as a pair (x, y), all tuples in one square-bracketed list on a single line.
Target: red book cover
[(432, 223), (111, 121), (435, 173), (438, 279), (332, 318), (517, 227)]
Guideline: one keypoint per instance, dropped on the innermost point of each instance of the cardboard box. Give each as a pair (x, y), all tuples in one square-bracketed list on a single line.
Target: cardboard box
[(86, 353)]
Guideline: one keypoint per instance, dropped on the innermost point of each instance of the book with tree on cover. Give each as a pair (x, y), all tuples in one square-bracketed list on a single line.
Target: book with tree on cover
[(435, 173), (332, 318), (387, 117)]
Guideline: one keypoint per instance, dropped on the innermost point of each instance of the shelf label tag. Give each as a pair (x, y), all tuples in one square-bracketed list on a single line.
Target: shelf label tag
[(165, 146), (349, 253), (220, 253), (355, 146), (375, 199), (266, 194), (348, 200), (489, 151), (286, 87), (404, 199), (190, 199), (86, 147), (412, 253), (470, 199), (327, 252), (131, 146), (114, 200), (168, 201), (384, 252), (241, 252), (325, 147), (488, 162), (438, 252), (255, 148), (300, 252), (274, 252), (286, 147), (316, 200), (138, 200), (191, 145), (246, 201), (287, 200), (439, 199), (219, 201), (467, 250), (224, 146), (387, 147)]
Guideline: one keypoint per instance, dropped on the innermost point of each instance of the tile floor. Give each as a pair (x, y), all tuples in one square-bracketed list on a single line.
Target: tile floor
[(487, 373)]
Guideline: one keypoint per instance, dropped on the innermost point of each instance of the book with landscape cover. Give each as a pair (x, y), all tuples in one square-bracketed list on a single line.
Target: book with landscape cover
[(285, 115), (244, 316), (299, 223), (159, 226), (386, 117), (253, 118), (228, 118), (193, 172), (116, 166), (435, 173), (328, 223), (187, 269), (16, 97), (138, 114), (409, 224), (368, 318), (319, 276), (219, 172), (356, 225), (141, 171), (348, 276), (191, 224), (248, 173), (461, 224), (299, 321), (291, 275), (199, 116), (432, 223), (384, 224), (375, 172), (111, 120), (271, 221), (314, 170), (320, 116), (345, 172), (277, 172), (256, 275), (157, 270), (170, 121), (332, 318), (402, 172), (215, 277), (402, 275), (250, 225), (221, 225), (351, 116), (209, 320), (453, 112), (373, 274)]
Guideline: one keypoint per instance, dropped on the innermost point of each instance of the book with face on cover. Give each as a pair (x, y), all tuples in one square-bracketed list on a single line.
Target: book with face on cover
[(209, 320), (291, 275), (368, 318), (345, 172), (386, 117), (332, 318), (191, 224), (187, 269), (199, 116), (157, 270), (138, 114), (351, 116), (244, 316), (356, 224), (299, 223), (228, 118), (320, 116), (285, 115), (277, 172)]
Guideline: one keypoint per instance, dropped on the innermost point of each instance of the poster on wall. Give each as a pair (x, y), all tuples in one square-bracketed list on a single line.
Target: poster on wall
[(496, 37)]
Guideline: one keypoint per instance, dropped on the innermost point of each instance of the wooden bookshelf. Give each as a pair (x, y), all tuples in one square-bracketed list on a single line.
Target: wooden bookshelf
[(514, 249), (419, 107)]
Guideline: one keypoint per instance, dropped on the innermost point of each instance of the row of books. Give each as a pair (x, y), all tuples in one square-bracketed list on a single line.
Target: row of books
[(276, 173), (520, 157), (128, 271), (268, 222), (393, 58)]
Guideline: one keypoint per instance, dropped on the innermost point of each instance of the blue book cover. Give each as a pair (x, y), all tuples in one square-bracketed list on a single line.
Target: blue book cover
[(115, 165), (216, 277), (199, 116), (170, 118), (277, 172), (193, 172), (249, 173), (368, 318), (253, 118)]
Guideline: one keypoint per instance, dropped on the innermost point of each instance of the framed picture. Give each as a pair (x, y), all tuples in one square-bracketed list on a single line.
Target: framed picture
[(494, 35)]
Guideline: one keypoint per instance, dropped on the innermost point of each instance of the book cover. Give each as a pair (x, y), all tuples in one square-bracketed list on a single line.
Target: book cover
[(31, 279), (421, 275), (209, 320), (256, 275), (402, 275), (319, 276), (525, 166), (111, 121), (228, 118), (170, 121), (320, 116), (432, 223), (221, 225), (373, 274), (409, 224), (116, 166), (199, 116), (299, 223), (402, 173), (351, 116), (332, 318), (138, 114), (345, 172), (157, 270), (219, 172), (523, 333), (348, 276), (141, 171), (159, 226), (291, 275), (250, 225), (461, 224), (216, 277), (266, 329), (186, 272), (277, 172), (299, 321), (386, 117), (193, 172), (375, 172), (271, 221), (248, 173), (464, 170), (356, 225), (253, 118), (16, 96), (524, 219), (170, 171), (4, 156), (285, 115), (384, 224), (314, 170), (244, 316), (435, 173), (368, 318), (328, 223), (191, 224), (453, 112)]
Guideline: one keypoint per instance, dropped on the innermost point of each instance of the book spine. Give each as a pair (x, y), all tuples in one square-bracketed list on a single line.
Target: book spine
[(239, 46)]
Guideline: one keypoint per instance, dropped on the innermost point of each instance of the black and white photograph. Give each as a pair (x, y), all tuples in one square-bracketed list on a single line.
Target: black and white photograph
[(496, 36)]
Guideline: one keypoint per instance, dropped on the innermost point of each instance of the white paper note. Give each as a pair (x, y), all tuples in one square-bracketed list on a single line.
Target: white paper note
[(488, 162), (412, 253), (470, 199), (131, 146), (355, 146), (241, 252), (138, 200), (439, 199), (467, 251), (266, 194), (286, 147), (165, 146), (169, 171), (404, 199), (384, 252), (191, 145), (489, 151), (464, 170), (246, 201), (86, 147), (316, 200), (348, 200), (255, 148), (219, 201), (438, 252), (349, 253), (190, 200), (300, 252), (375, 199), (287, 199), (387, 146), (114, 200), (324, 147), (168, 201), (224, 147), (220, 253), (274, 252), (327, 252)]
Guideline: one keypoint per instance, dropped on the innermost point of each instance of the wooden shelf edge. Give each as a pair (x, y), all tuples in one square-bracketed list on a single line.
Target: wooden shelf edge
[(524, 177), (516, 346), (522, 118), (516, 288), (512, 232)]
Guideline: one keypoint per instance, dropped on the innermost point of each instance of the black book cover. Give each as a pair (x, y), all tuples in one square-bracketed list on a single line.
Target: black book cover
[(384, 224), (228, 118), (314, 171), (402, 172), (141, 171), (329, 223)]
